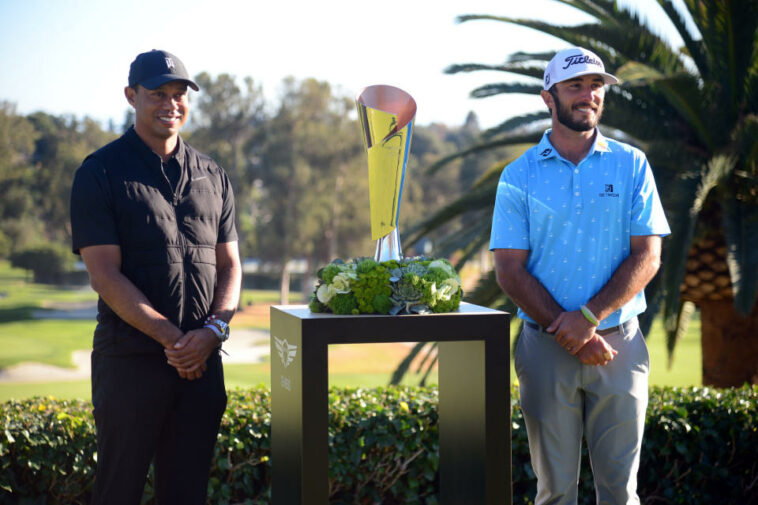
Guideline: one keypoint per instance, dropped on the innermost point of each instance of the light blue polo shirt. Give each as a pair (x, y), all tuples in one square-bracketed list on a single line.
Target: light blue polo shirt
[(577, 220)]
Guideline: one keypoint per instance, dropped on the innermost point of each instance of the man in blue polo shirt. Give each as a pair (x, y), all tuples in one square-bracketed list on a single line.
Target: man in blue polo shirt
[(576, 235)]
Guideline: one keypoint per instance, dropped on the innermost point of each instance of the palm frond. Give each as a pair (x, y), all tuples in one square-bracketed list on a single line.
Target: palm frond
[(492, 174), (514, 123), (645, 115), (532, 137), (476, 236), (741, 231), (488, 293), (677, 330), (458, 68), (683, 92), (405, 363), (654, 300), (723, 24), (430, 367), (695, 47), (634, 73), (603, 10), (502, 87), (518, 67), (463, 236), (522, 57), (751, 87), (482, 197), (683, 226)]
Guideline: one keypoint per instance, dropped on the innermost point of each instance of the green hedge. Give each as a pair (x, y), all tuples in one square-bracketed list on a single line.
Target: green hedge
[(700, 448)]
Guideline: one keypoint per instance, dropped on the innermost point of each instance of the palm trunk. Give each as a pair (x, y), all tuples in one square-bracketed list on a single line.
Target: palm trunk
[(729, 343), (284, 286), (308, 280)]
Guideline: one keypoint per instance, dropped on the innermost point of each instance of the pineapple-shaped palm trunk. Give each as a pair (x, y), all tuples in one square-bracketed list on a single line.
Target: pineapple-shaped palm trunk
[(729, 345)]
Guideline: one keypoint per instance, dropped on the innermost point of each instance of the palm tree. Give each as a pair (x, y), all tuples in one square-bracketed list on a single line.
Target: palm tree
[(694, 111)]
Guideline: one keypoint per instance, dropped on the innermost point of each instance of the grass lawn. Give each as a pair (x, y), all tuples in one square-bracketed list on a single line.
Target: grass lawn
[(686, 369), (49, 341), (19, 298)]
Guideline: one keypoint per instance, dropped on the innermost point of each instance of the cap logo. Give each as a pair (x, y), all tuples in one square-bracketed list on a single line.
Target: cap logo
[(547, 79), (581, 58), (170, 64)]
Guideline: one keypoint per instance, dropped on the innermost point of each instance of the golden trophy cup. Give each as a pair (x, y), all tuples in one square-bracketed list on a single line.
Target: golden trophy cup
[(386, 114)]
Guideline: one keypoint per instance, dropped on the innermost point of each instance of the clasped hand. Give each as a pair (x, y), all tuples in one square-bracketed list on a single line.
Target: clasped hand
[(577, 336), (189, 354)]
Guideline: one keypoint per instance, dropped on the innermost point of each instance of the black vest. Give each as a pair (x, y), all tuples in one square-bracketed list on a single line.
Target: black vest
[(168, 238)]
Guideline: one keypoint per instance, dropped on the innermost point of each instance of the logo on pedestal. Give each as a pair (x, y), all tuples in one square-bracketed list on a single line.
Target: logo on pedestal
[(287, 351)]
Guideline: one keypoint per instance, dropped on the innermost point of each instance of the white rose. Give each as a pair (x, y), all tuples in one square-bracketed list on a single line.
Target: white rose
[(341, 283), (325, 293), (453, 283)]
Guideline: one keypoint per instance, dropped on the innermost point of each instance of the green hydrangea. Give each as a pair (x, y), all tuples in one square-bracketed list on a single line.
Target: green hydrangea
[(328, 273), (382, 304), (366, 265), (436, 276), (316, 306), (370, 284), (344, 303)]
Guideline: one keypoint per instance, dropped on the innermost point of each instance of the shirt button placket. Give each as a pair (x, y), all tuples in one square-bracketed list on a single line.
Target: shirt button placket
[(575, 182)]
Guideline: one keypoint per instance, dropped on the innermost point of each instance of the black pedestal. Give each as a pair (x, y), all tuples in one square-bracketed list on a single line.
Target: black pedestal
[(474, 392)]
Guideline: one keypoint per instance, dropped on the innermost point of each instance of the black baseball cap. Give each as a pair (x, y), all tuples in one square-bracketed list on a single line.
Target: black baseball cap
[(155, 68)]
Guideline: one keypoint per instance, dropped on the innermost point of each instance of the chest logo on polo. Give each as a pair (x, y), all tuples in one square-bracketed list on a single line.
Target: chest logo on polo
[(546, 152), (609, 193)]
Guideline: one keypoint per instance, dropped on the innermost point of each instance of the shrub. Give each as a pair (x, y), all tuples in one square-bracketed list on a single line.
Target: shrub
[(46, 451), (49, 262), (699, 447)]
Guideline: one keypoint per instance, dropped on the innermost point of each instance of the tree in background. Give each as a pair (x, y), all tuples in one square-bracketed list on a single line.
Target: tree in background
[(17, 221), (309, 200), (38, 156), (61, 145), (228, 124), (694, 111)]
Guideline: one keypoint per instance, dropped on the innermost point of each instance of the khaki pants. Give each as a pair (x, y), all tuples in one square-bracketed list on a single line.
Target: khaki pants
[(563, 399)]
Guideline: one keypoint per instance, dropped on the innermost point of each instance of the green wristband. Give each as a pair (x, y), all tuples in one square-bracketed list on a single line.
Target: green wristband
[(589, 315)]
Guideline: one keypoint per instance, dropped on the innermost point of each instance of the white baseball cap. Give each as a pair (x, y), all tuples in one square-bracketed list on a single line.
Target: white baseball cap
[(574, 62)]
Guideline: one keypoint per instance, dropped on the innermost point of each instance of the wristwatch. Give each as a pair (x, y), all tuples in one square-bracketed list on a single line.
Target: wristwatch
[(219, 327)]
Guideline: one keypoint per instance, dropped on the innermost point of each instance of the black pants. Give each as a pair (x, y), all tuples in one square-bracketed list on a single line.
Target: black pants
[(143, 412)]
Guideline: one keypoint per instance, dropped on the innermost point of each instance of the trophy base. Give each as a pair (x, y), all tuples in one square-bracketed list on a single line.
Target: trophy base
[(388, 247)]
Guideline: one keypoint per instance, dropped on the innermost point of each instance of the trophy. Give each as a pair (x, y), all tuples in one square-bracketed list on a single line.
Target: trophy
[(386, 114)]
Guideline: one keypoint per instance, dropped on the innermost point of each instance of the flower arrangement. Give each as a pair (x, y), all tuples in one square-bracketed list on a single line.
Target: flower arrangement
[(408, 286)]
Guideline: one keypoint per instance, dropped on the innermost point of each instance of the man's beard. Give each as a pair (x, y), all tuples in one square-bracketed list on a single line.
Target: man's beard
[(564, 117)]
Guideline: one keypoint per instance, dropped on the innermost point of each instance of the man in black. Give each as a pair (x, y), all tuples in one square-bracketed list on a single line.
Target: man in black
[(153, 220)]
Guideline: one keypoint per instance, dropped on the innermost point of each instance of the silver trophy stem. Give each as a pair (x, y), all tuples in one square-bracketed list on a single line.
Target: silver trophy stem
[(388, 247)]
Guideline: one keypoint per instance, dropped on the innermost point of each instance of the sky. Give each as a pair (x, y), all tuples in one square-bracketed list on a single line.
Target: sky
[(72, 57)]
